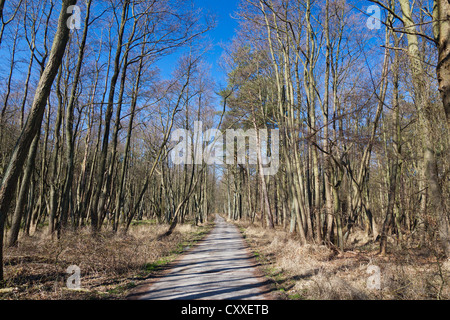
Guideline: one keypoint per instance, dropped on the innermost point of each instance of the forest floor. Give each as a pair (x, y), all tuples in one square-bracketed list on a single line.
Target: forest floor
[(111, 264), (316, 272)]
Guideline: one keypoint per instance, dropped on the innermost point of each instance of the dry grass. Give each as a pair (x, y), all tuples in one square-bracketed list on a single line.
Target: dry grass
[(316, 272), (110, 264)]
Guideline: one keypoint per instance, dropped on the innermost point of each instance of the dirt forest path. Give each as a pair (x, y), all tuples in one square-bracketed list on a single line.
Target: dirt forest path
[(219, 268)]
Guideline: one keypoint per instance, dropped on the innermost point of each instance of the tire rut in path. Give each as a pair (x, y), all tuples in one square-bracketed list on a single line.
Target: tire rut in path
[(217, 268)]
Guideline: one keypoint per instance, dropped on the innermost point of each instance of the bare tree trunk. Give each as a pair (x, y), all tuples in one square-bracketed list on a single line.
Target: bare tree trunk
[(396, 149), (98, 205), (119, 195), (264, 191), (441, 28), (53, 199), (24, 187), (11, 71), (65, 206), (328, 168), (2, 5)]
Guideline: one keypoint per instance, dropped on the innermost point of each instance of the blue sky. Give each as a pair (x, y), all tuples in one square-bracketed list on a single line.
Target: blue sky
[(223, 33)]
